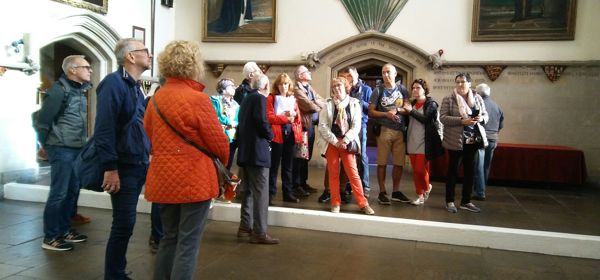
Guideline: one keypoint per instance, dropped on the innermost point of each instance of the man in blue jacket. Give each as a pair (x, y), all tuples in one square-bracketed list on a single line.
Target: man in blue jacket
[(62, 132), (122, 146), (254, 158)]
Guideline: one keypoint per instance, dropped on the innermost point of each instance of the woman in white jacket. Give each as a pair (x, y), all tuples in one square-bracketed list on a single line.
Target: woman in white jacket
[(339, 125)]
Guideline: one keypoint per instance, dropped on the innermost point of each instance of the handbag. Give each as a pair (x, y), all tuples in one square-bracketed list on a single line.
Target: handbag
[(87, 164), (87, 168), (302, 150), (352, 147), (224, 176)]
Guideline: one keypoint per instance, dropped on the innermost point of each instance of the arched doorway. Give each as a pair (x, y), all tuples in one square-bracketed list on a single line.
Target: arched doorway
[(86, 35), (368, 52)]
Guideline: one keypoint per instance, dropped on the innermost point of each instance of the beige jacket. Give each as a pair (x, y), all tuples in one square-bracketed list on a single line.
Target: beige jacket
[(453, 127), (326, 120)]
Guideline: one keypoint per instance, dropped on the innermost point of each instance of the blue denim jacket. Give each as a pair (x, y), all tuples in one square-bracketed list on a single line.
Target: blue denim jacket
[(119, 130)]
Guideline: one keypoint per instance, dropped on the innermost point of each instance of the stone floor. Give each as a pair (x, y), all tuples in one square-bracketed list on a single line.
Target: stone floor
[(303, 254), (306, 254)]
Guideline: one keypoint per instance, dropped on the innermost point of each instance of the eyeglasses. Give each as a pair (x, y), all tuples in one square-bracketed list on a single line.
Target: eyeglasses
[(461, 82), (87, 67), (142, 50)]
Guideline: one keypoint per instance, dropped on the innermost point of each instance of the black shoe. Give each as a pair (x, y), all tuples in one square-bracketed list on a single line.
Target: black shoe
[(56, 244), (325, 196), (480, 198), (291, 198), (383, 199), (307, 188), (300, 192), (243, 232), (153, 245), (399, 196), (263, 239), (346, 197), (74, 237)]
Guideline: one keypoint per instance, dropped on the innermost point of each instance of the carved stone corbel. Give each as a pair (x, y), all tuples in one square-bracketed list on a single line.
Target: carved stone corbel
[(493, 71), (553, 72), (217, 69), (264, 67), (2, 71)]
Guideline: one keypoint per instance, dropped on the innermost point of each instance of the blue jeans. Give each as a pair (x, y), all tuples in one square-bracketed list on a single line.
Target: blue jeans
[(156, 228), (178, 252), (363, 167), (482, 168), (124, 204), (64, 190)]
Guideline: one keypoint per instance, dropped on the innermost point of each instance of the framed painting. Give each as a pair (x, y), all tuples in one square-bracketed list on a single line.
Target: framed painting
[(244, 21), (139, 33), (523, 20), (98, 6)]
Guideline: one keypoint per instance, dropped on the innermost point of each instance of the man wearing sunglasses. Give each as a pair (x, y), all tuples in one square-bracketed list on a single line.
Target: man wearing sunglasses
[(122, 146), (61, 125)]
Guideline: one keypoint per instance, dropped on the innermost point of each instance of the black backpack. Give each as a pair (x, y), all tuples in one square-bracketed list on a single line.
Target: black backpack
[(35, 116)]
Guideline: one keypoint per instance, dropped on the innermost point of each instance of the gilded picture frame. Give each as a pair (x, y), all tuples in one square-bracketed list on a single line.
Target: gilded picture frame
[(98, 6), (244, 21), (523, 20)]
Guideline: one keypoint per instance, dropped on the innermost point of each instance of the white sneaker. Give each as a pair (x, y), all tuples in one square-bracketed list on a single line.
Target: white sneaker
[(335, 209), (426, 194), (418, 202), (368, 210)]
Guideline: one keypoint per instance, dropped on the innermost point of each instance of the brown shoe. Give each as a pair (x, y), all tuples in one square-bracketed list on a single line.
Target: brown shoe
[(243, 233), (80, 220), (263, 238)]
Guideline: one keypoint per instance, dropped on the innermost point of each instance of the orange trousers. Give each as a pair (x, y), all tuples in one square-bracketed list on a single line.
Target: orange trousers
[(420, 167), (333, 156)]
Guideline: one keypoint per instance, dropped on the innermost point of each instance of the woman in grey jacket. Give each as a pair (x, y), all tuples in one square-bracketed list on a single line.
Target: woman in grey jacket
[(461, 113)]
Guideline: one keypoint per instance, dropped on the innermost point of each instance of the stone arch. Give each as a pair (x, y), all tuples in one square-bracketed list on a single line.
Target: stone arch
[(370, 48), (87, 34)]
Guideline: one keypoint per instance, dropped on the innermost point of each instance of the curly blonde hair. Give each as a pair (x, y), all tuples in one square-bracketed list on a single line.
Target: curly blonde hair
[(181, 59)]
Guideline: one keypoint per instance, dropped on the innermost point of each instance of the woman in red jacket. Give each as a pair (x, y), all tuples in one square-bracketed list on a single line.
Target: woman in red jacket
[(284, 116), (180, 177)]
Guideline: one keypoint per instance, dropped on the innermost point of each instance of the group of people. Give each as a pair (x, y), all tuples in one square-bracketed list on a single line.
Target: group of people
[(169, 142)]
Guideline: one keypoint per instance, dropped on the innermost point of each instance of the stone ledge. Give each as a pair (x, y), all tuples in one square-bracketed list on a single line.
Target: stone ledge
[(531, 241)]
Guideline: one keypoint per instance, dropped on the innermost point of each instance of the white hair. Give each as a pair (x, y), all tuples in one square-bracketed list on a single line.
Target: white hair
[(260, 82), (249, 68), (70, 62), (483, 89)]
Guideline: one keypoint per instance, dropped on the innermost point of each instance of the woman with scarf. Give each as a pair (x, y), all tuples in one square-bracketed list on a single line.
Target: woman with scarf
[(227, 112), (461, 113), (339, 125)]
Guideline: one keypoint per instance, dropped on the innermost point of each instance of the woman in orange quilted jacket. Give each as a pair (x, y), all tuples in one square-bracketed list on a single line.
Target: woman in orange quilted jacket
[(180, 177)]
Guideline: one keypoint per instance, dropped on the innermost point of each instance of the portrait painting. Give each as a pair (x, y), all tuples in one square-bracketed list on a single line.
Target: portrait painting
[(523, 20), (239, 21)]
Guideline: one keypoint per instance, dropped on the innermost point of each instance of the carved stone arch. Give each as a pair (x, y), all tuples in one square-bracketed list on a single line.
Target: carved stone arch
[(86, 34), (369, 48)]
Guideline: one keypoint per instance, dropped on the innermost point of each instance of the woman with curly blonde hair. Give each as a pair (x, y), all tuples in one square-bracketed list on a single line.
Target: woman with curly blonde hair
[(180, 177)]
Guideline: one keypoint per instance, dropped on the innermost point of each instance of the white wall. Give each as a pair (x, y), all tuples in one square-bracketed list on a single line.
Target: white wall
[(41, 19)]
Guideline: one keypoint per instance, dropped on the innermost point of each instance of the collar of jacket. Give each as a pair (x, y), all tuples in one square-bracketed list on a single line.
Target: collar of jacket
[(190, 83), (85, 86), (128, 79)]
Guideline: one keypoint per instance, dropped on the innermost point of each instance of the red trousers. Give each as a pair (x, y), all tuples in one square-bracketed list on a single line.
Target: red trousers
[(420, 167), (333, 156)]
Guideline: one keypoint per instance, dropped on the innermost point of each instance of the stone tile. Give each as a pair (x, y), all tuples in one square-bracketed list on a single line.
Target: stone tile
[(7, 270), (22, 232)]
